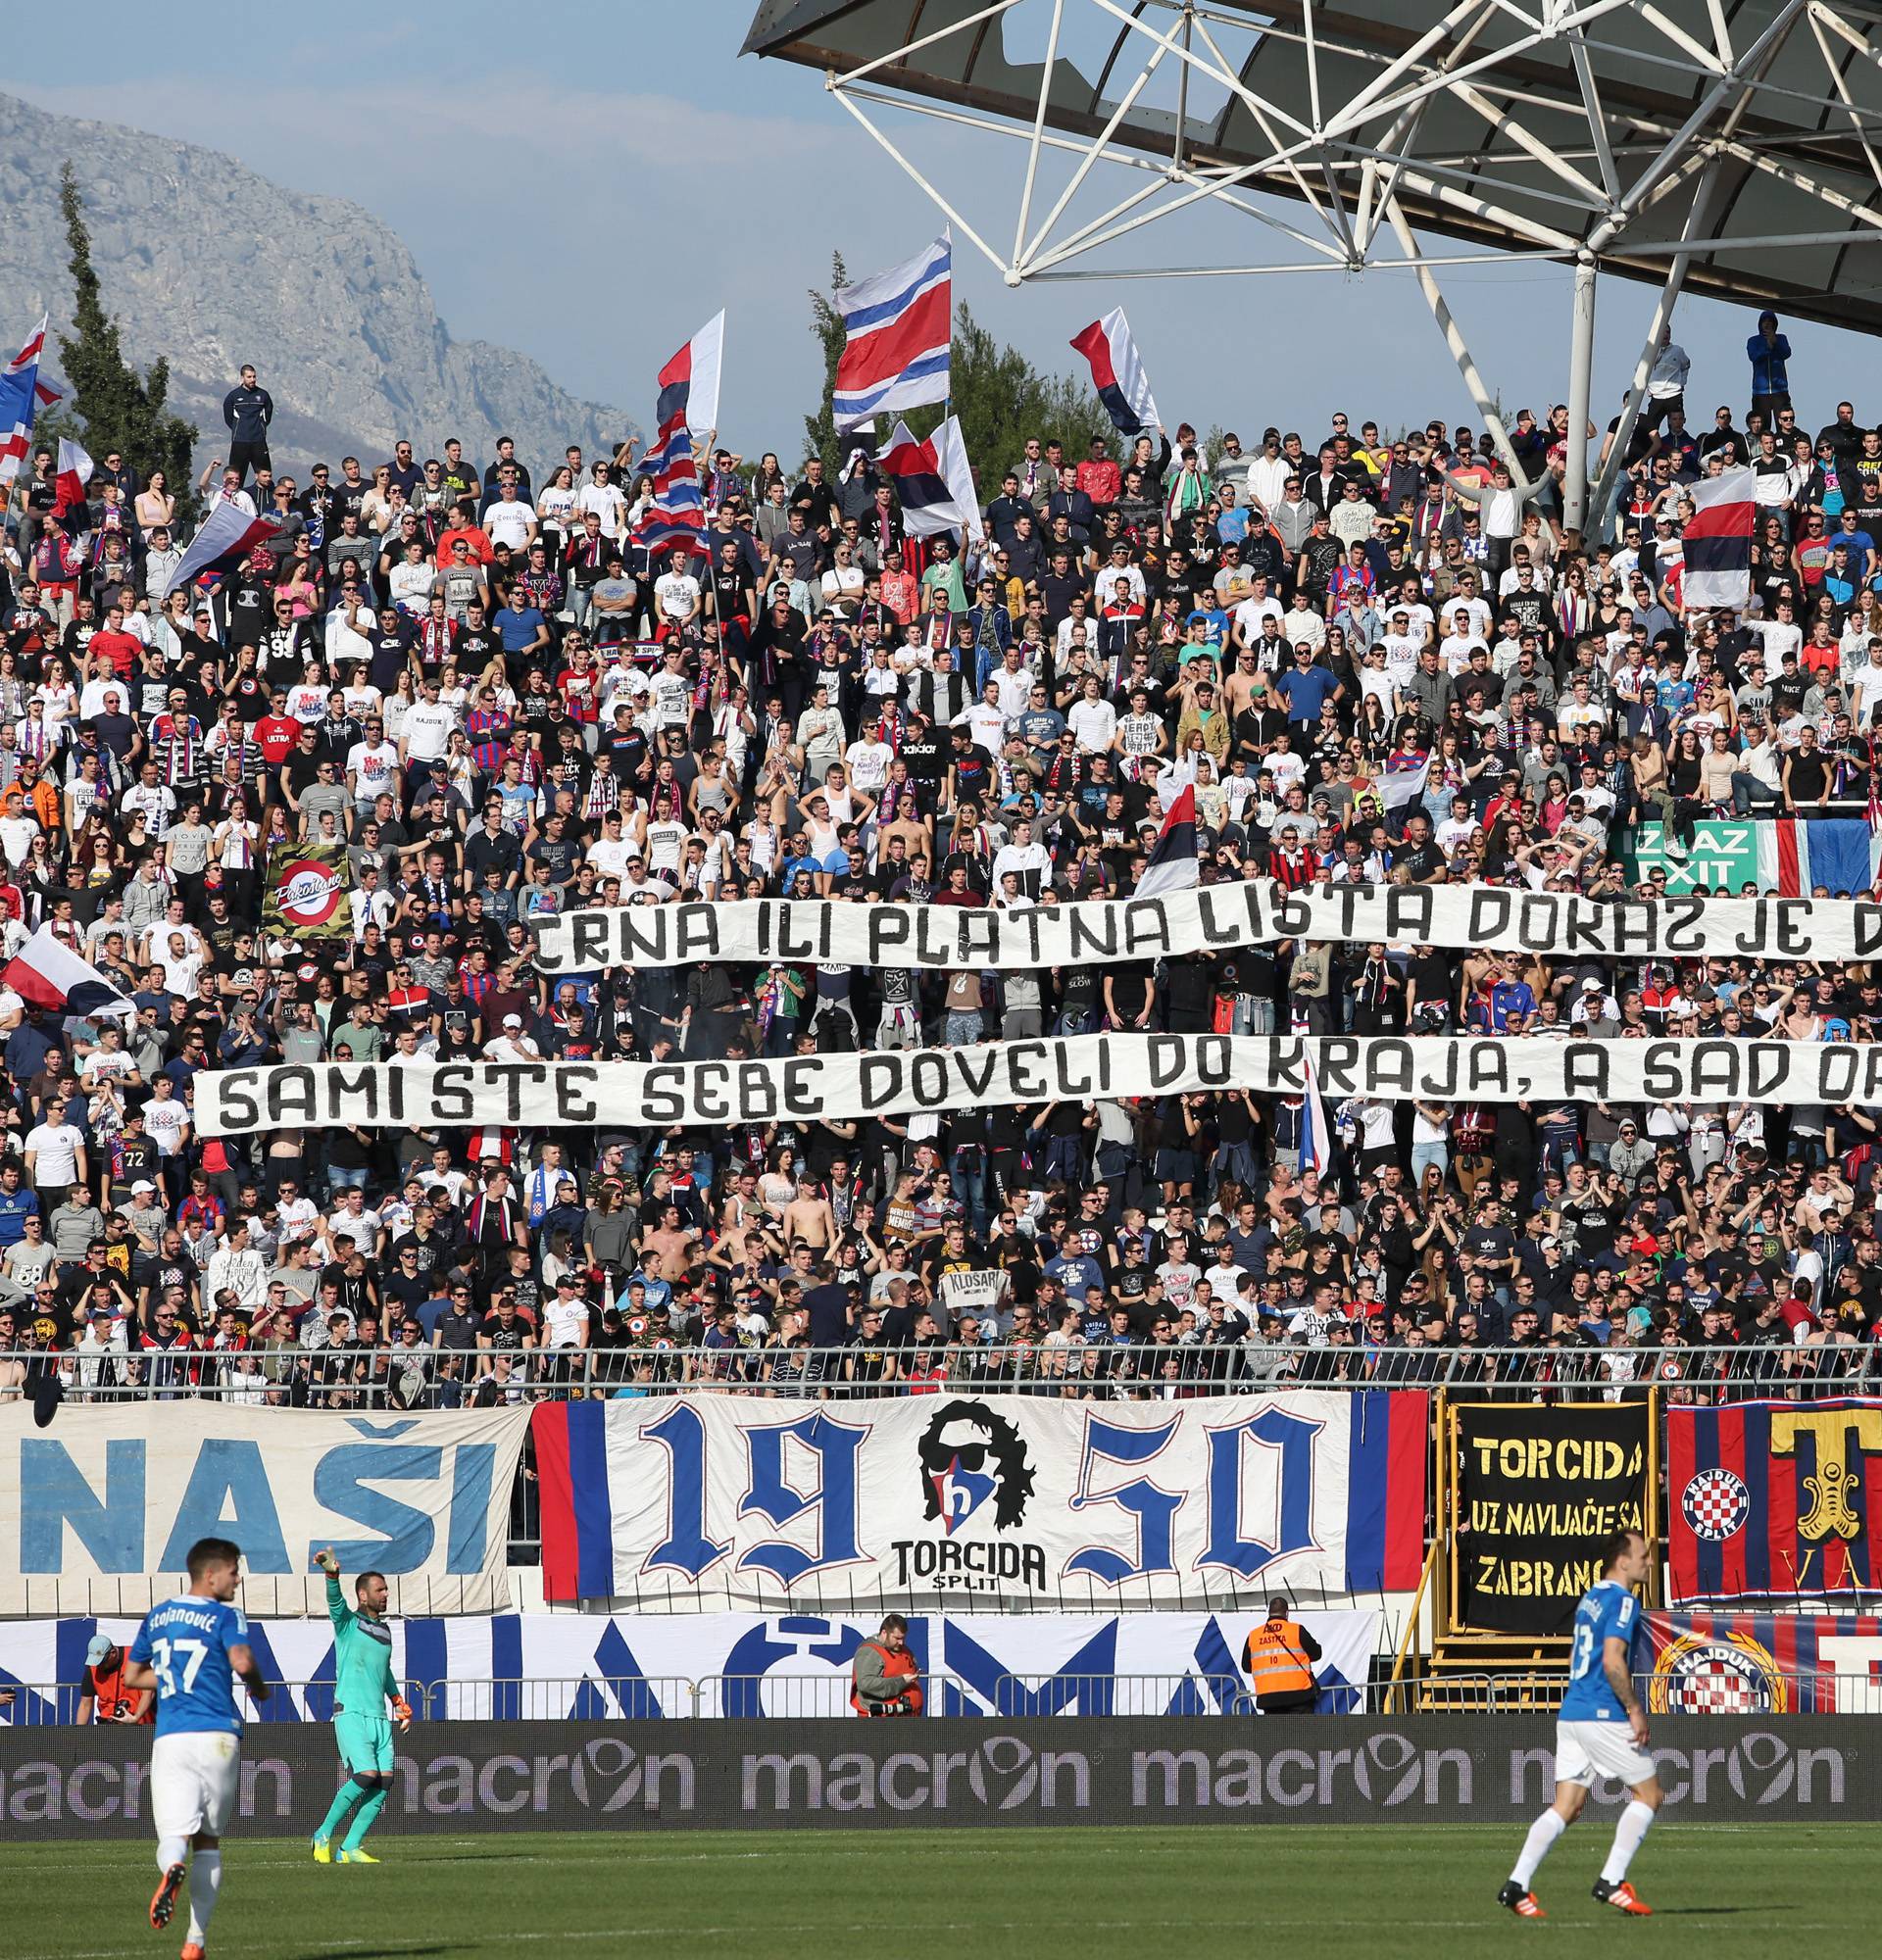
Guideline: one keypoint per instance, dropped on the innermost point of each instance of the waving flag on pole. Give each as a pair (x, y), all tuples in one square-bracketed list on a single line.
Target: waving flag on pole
[(689, 381), (1172, 863), (75, 473), (48, 973), (22, 396), (899, 324), (1717, 541), (932, 479), (1316, 1133), (678, 513), (1118, 374), (229, 533)]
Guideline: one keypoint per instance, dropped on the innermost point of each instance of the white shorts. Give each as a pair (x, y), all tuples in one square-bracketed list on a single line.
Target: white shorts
[(195, 1778), (1585, 1750)]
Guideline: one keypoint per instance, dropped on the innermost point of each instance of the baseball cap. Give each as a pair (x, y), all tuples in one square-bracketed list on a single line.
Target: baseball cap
[(96, 1649), (513, 1020), (142, 1184)]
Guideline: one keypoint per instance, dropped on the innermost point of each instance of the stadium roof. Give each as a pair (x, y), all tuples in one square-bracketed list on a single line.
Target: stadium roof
[(1736, 140)]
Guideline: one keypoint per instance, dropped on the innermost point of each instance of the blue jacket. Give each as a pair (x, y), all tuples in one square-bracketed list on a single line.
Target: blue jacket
[(1769, 376)]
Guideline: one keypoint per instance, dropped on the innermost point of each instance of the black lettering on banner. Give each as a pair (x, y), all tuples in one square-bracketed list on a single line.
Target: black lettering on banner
[(1759, 937), (1286, 1064), (237, 1091), (1838, 1066), (292, 1096), (888, 931), (1585, 926), (1866, 922), (698, 932), (797, 945), (1489, 914), (975, 1067), (879, 1081), (1488, 1063), (1293, 915), (1537, 919), (1146, 927), (1871, 1054), (709, 1082), (755, 1092), (1216, 907), (663, 1092), (1168, 1057), (1681, 930), (935, 939), (345, 1084), (1793, 925), (1214, 1061), (1028, 924), (513, 1078), (1770, 1066), (1437, 1081), (929, 1080), (645, 936), (980, 935), (1715, 1072), (1662, 1080), (1409, 911), (1584, 1069), (800, 1088), (1340, 1062), (1064, 1082), (1635, 929), (1095, 938), (454, 1095), (576, 1085), (1388, 1068), (1022, 1057)]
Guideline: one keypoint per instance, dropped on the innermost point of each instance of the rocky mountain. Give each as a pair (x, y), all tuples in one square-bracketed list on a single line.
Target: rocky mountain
[(207, 263)]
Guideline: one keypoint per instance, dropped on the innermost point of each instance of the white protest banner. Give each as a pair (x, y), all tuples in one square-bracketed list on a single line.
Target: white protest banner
[(588, 1094), (1030, 1498), (972, 1293), (117, 1495), (1212, 918)]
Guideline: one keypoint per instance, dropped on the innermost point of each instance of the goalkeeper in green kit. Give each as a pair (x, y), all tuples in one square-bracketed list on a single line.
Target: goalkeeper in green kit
[(365, 1704)]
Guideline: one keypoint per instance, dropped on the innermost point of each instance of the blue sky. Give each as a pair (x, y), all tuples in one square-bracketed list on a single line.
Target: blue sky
[(591, 193)]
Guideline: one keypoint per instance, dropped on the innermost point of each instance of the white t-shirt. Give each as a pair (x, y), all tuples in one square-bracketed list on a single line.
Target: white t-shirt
[(428, 725), (56, 1147), (509, 523), (163, 1120), (675, 595), (374, 766)]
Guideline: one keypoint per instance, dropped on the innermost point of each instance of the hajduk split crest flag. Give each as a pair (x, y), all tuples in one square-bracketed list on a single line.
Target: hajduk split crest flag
[(1117, 372)]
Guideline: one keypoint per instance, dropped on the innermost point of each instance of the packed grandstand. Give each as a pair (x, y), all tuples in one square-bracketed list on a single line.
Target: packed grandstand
[(318, 803)]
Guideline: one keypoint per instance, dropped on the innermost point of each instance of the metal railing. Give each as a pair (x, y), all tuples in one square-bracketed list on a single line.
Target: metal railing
[(424, 1378)]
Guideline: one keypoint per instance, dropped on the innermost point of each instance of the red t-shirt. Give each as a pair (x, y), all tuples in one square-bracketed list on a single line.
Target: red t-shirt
[(278, 735)]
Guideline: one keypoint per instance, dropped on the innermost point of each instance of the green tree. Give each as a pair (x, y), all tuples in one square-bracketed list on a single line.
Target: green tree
[(119, 409), (1000, 396)]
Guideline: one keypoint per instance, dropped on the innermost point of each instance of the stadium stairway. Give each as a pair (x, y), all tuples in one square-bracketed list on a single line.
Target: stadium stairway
[(1471, 1673)]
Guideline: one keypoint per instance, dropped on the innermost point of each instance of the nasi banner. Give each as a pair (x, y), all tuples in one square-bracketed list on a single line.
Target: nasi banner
[(1004, 1496), (1777, 1500), (1539, 1487), (124, 1492), (318, 1095), (1210, 918), (1764, 1664), (579, 1668)]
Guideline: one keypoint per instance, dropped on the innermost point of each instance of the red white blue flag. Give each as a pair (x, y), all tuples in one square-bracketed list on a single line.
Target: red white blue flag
[(1172, 862), (932, 479), (75, 473), (689, 381), (229, 534), (677, 515), (1717, 541), (899, 324), (1117, 372), (22, 396)]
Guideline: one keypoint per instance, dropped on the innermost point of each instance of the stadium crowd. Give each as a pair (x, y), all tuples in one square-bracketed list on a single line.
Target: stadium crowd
[(1373, 658)]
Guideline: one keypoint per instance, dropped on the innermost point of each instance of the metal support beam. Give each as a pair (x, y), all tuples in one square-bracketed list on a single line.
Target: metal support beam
[(1581, 368), (1453, 337)]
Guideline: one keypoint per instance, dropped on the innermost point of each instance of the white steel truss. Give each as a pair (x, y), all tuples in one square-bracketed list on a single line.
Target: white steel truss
[(1605, 135)]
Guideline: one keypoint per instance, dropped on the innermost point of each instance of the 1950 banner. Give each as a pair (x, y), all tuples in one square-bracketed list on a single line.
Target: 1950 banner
[(314, 1095), (1776, 1501), (808, 1503), (1211, 918), (109, 1494)]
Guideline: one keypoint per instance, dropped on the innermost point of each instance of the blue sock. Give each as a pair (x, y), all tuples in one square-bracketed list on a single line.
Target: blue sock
[(364, 1819), (349, 1793)]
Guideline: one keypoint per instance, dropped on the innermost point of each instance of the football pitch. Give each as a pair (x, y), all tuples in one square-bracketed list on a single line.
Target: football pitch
[(1141, 1894)]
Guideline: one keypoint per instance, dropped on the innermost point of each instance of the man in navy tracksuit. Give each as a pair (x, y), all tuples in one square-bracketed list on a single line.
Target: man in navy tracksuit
[(248, 411)]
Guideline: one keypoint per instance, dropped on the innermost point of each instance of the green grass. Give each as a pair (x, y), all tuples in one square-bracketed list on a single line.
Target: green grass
[(1142, 1893)]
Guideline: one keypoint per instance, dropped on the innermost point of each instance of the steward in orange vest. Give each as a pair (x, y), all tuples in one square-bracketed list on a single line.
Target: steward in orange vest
[(1278, 1659), (883, 1676), (103, 1695)]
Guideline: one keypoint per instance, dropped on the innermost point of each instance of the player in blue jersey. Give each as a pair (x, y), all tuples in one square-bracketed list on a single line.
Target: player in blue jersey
[(1601, 1730), (192, 1651)]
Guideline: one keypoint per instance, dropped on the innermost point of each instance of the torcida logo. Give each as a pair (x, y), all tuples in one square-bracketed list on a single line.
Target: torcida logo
[(973, 1463), (308, 893)]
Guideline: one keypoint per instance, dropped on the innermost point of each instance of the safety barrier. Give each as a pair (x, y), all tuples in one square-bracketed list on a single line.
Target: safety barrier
[(417, 1379)]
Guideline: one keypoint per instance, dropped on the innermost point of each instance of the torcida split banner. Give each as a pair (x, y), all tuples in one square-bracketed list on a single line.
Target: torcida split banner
[(1211, 918), (1005, 1496), (319, 1095)]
